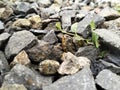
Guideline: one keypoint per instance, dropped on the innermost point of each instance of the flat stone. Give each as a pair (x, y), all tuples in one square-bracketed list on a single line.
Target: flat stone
[(82, 80), (109, 13), (13, 87), (88, 51), (49, 67), (107, 36), (84, 25), (108, 80), (50, 37), (44, 3), (20, 74), (72, 64), (21, 58), (19, 41), (3, 39)]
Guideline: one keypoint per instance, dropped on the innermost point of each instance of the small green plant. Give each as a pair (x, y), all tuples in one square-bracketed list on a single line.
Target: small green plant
[(102, 54), (95, 37), (58, 26)]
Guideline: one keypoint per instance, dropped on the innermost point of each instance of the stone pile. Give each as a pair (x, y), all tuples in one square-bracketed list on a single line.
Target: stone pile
[(51, 44)]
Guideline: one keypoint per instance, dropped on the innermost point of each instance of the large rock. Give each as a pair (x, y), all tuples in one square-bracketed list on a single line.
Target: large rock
[(19, 41), (72, 64), (82, 80), (108, 80), (20, 74), (3, 38), (84, 25), (111, 38)]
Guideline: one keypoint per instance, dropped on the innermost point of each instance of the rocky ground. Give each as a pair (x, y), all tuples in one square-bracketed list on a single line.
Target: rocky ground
[(59, 44)]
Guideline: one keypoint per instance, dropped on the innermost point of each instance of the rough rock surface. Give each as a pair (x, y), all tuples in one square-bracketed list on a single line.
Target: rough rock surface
[(20, 74), (19, 41), (82, 80), (108, 80)]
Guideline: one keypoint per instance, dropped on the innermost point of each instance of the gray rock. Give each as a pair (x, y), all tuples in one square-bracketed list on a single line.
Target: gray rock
[(20, 74), (109, 13), (13, 87), (82, 80), (84, 25), (22, 7), (39, 52), (50, 37), (44, 3), (3, 38), (88, 51), (1, 26), (4, 67), (67, 15), (111, 66), (19, 41), (108, 80), (107, 36)]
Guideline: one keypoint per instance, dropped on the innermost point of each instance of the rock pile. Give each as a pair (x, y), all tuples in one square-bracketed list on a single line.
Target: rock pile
[(59, 44)]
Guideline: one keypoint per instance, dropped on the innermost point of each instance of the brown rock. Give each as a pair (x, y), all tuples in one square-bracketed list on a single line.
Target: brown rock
[(35, 20), (48, 67), (21, 58)]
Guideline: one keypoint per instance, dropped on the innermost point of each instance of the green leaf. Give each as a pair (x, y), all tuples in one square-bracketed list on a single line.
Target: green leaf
[(58, 26), (102, 54), (95, 38), (92, 25), (77, 37), (74, 27)]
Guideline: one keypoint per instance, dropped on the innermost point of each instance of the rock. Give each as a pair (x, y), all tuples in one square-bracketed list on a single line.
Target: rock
[(44, 3), (21, 58), (39, 52), (113, 58), (48, 67), (82, 80), (67, 15), (13, 87), (35, 21), (84, 25), (50, 37), (112, 67), (1, 26), (20, 74), (72, 64), (5, 12), (67, 43), (108, 80), (112, 24), (109, 13), (3, 39), (19, 41), (4, 67), (21, 23), (107, 36), (54, 8), (60, 2), (22, 7), (88, 51)]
